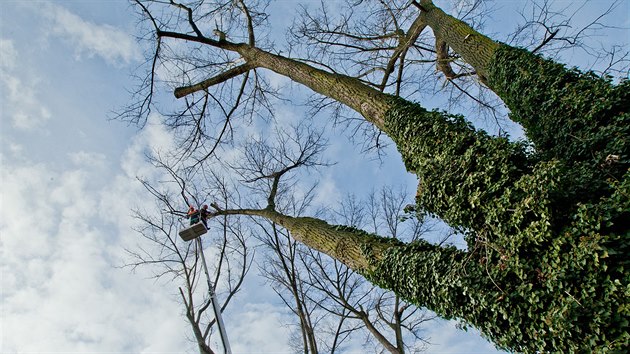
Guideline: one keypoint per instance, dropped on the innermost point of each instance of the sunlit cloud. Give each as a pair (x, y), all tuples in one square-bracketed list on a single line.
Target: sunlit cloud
[(253, 330), (9, 54), (112, 44), (59, 281), (20, 98)]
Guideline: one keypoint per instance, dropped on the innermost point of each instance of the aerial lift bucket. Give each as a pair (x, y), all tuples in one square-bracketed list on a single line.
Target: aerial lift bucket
[(192, 232)]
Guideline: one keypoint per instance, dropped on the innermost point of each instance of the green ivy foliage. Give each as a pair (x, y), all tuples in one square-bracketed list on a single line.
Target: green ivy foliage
[(579, 118), (548, 232), (371, 244), (435, 145)]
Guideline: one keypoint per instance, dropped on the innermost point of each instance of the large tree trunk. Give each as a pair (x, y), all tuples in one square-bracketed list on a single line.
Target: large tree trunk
[(462, 172), (543, 95), (369, 102), (431, 143), (547, 236), (564, 112), (476, 49), (355, 248)]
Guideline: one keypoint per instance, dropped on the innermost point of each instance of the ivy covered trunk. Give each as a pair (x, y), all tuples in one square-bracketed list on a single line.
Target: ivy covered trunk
[(545, 270), (547, 224), (547, 230), (476, 49)]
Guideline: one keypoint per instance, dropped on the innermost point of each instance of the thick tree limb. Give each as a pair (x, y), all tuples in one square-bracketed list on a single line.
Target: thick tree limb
[(224, 76), (476, 49), (406, 42), (370, 103), (345, 245)]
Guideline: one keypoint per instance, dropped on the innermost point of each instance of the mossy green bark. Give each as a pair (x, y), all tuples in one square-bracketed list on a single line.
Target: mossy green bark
[(475, 48)]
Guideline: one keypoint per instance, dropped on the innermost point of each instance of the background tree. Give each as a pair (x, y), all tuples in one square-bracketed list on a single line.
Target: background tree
[(310, 285), (313, 287), (391, 324), (260, 167), (184, 262), (544, 225), (284, 272)]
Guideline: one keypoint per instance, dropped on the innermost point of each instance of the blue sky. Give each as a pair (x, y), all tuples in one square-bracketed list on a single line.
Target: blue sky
[(68, 184)]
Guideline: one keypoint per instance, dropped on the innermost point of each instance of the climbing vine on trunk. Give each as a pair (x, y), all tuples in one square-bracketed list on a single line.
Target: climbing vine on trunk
[(547, 221), (547, 229)]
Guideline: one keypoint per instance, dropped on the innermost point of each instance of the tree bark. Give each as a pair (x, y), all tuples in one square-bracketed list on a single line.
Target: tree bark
[(379, 259), (201, 342), (397, 324), (355, 248), (475, 48), (369, 102), (377, 334)]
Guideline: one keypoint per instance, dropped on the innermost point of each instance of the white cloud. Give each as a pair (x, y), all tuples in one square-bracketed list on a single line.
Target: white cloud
[(9, 54), (59, 283), (153, 139), (447, 339), (259, 329), (23, 88), (83, 158), (27, 119), (112, 44), (16, 149), (327, 192), (63, 234), (20, 97)]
